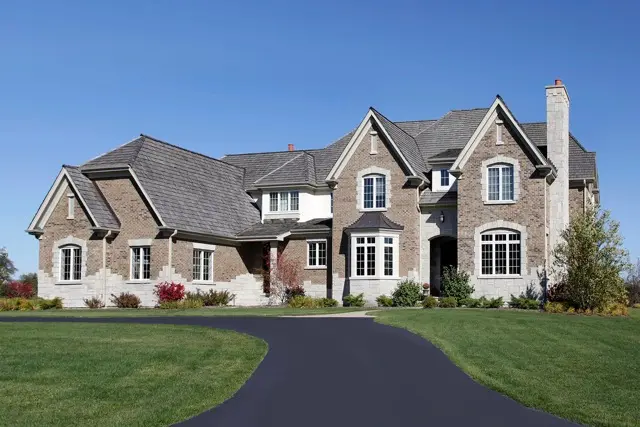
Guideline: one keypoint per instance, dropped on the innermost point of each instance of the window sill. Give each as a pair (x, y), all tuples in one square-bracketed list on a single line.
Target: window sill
[(138, 282), (69, 282), (315, 267), (203, 282), (357, 278), (282, 215), (372, 209), (500, 276), (499, 202)]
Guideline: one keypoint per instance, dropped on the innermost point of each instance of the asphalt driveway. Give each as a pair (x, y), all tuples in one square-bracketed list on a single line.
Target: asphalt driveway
[(349, 372)]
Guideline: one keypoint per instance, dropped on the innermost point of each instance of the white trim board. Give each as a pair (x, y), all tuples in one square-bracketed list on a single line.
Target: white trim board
[(356, 139)]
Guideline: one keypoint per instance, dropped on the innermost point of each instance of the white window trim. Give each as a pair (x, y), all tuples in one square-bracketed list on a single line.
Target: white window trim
[(71, 206), (373, 170), (499, 131), (140, 280), (72, 266), (500, 225), (495, 161), (317, 267), (493, 232), (379, 245), (280, 193), (202, 252), (56, 261)]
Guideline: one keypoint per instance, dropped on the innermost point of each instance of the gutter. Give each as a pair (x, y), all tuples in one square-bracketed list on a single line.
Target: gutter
[(171, 252)]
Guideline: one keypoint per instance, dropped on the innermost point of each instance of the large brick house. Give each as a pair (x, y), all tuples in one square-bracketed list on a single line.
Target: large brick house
[(387, 201)]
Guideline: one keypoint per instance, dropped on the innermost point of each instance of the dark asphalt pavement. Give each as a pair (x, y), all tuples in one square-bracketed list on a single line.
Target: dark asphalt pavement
[(349, 372)]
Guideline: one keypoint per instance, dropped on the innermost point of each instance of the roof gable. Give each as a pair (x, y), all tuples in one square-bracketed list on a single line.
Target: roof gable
[(497, 109)]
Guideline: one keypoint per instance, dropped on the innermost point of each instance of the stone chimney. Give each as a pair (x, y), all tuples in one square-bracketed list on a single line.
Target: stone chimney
[(291, 147), (558, 153)]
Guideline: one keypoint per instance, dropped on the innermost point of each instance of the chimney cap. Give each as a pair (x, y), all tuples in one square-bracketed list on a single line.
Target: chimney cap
[(558, 82), (291, 147)]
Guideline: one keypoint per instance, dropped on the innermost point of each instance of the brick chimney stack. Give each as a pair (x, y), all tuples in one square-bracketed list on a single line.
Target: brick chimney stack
[(291, 147)]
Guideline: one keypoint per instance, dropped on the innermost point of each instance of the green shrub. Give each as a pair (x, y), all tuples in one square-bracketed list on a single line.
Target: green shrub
[(429, 302), (554, 307), (353, 300), (589, 261), (407, 294), (456, 283), (468, 302), (524, 303), (495, 303), (93, 302), (211, 298), (448, 302), (327, 302), (46, 304), (17, 304), (301, 301), (184, 304), (384, 301), (125, 300), (637, 305)]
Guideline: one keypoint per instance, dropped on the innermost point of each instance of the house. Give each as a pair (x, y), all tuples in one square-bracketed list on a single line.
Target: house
[(388, 200)]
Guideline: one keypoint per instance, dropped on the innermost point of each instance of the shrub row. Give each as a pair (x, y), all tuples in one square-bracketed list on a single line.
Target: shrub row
[(211, 298), (613, 309), (24, 304), (524, 303), (451, 302), (301, 301), (353, 300), (17, 290)]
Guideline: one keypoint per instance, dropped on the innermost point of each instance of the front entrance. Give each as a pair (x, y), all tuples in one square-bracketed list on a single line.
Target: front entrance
[(444, 252)]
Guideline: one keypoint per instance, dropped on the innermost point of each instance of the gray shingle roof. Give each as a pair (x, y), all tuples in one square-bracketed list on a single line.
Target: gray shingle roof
[(191, 192), (406, 144), (273, 228), (300, 169), (371, 220), (414, 127), (429, 197), (94, 199), (582, 163)]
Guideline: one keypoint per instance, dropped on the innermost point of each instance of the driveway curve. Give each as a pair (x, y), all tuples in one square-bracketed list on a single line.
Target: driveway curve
[(347, 372)]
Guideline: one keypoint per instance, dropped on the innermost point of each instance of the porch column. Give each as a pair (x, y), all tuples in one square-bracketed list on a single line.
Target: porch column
[(273, 259)]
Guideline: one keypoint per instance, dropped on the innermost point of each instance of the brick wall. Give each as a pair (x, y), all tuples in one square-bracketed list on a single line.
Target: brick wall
[(528, 211), (402, 210), (296, 249), (576, 201)]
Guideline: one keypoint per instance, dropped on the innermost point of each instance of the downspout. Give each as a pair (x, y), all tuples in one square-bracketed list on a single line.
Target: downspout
[(584, 196), (171, 253), (104, 267)]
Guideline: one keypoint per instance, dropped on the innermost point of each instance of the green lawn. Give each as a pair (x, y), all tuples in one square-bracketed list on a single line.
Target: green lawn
[(71, 374), (146, 312), (586, 369)]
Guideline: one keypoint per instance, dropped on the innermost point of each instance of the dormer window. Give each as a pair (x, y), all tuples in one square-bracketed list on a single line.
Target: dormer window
[(375, 196), (444, 177)]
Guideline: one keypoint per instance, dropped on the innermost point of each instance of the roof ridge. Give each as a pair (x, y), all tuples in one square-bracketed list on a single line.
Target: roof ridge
[(470, 109), (144, 136), (272, 152), (137, 138), (416, 121), (279, 167), (434, 124)]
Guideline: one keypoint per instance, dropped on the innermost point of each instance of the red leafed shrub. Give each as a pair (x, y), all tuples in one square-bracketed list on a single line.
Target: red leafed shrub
[(18, 290), (169, 291)]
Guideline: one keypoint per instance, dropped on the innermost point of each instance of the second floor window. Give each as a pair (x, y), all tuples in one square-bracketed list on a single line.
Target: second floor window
[(140, 263), (444, 177), (375, 196), (70, 263), (284, 201), (500, 182)]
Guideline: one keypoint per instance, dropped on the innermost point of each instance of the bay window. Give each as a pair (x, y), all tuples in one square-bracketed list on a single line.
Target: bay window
[(374, 256)]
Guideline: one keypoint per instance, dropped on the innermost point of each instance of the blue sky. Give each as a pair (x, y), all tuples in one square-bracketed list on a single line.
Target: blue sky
[(80, 78)]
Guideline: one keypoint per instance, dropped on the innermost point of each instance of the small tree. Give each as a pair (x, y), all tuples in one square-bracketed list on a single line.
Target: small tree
[(455, 283), (588, 262), (285, 279), (31, 279), (7, 268), (633, 284)]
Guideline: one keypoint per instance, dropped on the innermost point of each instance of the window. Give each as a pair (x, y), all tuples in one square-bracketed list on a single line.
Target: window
[(332, 202), (374, 192), (202, 265), (71, 205), (388, 256), (500, 185), (141, 263), (284, 201), (501, 252), (317, 253), (70, 263), (444, 177), (365, 256)]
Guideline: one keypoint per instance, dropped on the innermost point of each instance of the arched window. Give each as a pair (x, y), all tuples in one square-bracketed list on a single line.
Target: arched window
[(501, 252), (500, 182), (375, 188), (70, 263)]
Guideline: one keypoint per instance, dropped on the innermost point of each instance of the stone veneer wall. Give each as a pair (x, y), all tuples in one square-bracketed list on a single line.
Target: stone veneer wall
[(528, 212), (402, 208)]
